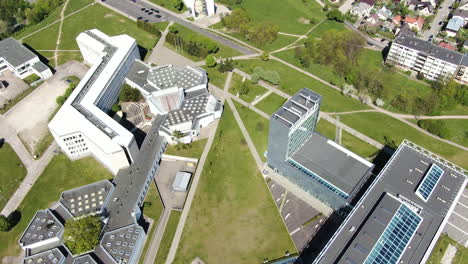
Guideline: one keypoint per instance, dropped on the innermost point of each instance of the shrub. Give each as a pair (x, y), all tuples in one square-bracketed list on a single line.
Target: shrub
[(270, 76), (115, 108), (210, 61), (420, 76), (244, 88), (265, 56), (436, 127), (82, 235), (149, 27), (336, 15), (4, 224), (173, 29), (254, 78)]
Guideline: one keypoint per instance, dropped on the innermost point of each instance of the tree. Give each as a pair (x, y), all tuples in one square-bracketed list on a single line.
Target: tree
[(4, 224), (129, 94), (244, 88), (178, 4), (173, 29), (420, 76), (82, 235), (254, 78), (263, 33), (336, 15), (236, 20), (210, 61)]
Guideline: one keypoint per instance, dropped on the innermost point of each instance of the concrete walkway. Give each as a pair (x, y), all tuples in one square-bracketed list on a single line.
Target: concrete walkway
[(34, 167)]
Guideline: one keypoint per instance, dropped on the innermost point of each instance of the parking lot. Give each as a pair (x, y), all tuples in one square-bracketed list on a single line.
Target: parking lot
[(457, 225), (297, 215), (13, 87)]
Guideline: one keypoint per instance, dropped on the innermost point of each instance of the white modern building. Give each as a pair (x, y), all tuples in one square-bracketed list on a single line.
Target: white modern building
[(200, 8), (424, 57), (82, 126), (21, 61), (179, 94)]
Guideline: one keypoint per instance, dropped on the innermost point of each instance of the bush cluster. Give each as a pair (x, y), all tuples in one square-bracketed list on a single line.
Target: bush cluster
[(196, 45), (436, 127), (149, 27), (62, 98), (272, 77)]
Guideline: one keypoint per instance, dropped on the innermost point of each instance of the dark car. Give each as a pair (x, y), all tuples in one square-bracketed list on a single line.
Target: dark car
[(158, 16), (150, 13), (440, 23), (143, 9), (431, 37), (140, 18)]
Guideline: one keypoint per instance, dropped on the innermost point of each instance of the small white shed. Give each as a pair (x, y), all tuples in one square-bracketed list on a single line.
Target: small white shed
[(181, 181)]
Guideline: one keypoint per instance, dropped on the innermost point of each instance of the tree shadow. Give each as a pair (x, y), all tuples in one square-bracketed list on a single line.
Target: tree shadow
[(14, 218), (2, 142)]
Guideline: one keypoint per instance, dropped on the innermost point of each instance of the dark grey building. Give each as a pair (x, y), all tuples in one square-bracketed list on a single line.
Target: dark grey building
[(402, 214), (315, 163)]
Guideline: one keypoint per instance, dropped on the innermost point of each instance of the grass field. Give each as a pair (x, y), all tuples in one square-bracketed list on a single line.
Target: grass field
[(438, 252), (255, 89), (194, 151), (65, 56), (11, 174), (215, 77), (43, 40), (284, 13), (378, 126), (52, 17), (188, 34), (292, 81), (168, 236), (105, 20), (326, 129), (74, 5), (152, 208), (271, 103), (60, 174), (233, 218), (371, 62), (325, 26), (357, 146), (167, 4), (458, 130), (280, 42), (257, 127)]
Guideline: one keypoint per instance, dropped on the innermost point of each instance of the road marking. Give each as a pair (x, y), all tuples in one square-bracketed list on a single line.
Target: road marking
[(294, 231), (460, 215), (461, 230), (466, 206)]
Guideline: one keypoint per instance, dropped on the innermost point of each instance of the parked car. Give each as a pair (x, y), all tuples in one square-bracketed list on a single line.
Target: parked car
[(441, 22), (158, 16), (431, 37), (143, 9), (150, 13)]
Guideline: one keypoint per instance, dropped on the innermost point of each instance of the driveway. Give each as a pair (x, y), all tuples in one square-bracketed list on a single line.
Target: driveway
[(442, 14), (134, 10), (15, 86), (30, 116)]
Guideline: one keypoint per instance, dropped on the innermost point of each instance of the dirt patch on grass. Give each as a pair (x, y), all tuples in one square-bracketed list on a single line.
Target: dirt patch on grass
[(303, 20), (108, 15)]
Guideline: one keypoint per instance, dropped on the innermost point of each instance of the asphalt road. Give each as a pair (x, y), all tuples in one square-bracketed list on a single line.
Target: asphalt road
[(134, 9), (440, 17)]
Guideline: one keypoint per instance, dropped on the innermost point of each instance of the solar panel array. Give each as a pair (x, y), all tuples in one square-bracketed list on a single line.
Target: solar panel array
[(432, 177), (395, 238)]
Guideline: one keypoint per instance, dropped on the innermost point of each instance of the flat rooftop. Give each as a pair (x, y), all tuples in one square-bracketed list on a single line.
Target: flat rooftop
[(86, 199), (333, 163), (397, 186), (169, 76), (53, 256), (296, 107), (121, 243), (43, 226)]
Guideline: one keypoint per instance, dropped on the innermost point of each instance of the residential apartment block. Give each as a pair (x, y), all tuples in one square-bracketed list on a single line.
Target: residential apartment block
[(424, 57)]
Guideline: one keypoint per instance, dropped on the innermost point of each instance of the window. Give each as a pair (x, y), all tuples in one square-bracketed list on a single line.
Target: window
[(432, 177)]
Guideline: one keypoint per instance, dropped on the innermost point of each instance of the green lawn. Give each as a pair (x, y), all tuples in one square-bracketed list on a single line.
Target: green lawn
[(105, 20), (152, 208), (11, 174), (271, 103), (60, 174), (43, 40), (378, 126), (458, 130), (325, 26), (371, 62), (292, 81), (66, 56), (326, 129), (74, 5), (215, 77), (257, 127), (167, 4), (285, 13), (280, 42), (168, 236), (187, 34), (192, 150), (438, 252), (233, 217), (254, 89), (357, 146)]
